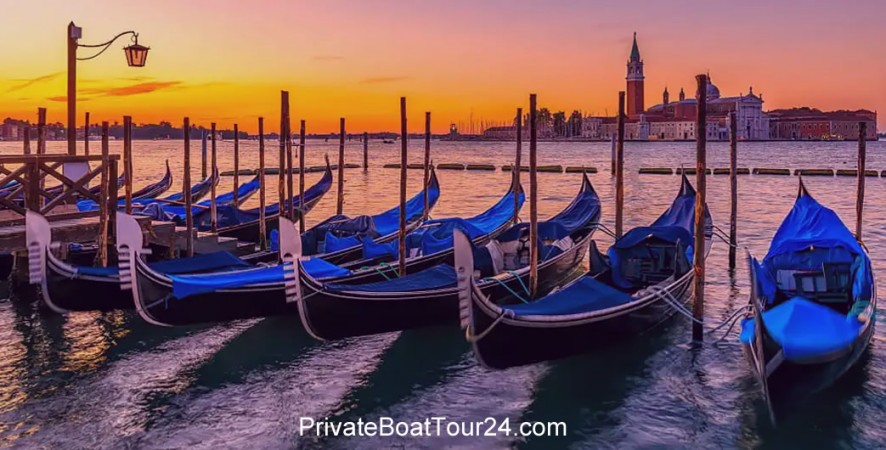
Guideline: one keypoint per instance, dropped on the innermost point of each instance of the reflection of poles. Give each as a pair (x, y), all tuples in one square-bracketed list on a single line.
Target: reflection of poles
[(700, 175), (533, 199), (262, 227), (862, 153), (404, 137)]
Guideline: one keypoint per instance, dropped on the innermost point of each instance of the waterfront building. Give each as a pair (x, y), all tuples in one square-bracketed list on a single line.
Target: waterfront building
[(812, 124)]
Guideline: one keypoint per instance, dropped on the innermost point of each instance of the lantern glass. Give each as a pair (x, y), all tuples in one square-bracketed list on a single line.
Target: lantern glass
[(136, 55)]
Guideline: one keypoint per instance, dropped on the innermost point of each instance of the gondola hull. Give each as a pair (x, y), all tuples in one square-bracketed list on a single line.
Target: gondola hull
[(251, 231), (65, 291), (535, 341), (792, 381), (156, 304), (327, 315)]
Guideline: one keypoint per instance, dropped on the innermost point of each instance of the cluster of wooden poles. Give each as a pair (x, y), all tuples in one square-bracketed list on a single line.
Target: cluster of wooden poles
[(289, 210)]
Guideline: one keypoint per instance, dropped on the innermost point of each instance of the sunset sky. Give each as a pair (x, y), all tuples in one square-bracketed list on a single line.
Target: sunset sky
[(227, 60)]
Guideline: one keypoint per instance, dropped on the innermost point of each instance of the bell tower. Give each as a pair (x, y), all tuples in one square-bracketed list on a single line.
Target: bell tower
[(635, 105)]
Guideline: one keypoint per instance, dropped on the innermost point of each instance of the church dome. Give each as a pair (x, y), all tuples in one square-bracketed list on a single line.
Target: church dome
[(712, 92)]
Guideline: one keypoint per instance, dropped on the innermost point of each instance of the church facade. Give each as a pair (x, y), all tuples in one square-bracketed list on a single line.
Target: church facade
[(674, 119)]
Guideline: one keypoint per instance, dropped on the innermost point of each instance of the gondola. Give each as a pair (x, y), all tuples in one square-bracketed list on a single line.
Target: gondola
[(243, 224), (148, 192), (427, 246), (646, 274), (166, 212), (812, 307), (241, 294), (198, 191), (167, 300), (430, 297), (68, 287), (338, 239), (153, 190)]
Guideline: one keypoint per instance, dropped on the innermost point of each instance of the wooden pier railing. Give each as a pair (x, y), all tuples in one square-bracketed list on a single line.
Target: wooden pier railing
[(28, 175)]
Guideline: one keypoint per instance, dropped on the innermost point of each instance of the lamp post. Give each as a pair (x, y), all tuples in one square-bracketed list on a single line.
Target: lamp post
[(136, 55)]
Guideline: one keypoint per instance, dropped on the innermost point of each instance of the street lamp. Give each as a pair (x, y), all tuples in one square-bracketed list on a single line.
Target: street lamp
[(136, 55)]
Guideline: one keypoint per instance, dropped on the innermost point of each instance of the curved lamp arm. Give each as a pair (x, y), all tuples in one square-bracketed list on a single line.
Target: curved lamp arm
[(105, 45)]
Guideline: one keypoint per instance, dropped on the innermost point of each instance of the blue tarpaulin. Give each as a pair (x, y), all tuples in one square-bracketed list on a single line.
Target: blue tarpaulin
[(440, 276), (676, 224), (199, 263), (810, 226), (436, 235), (184, 286), (805, 329), (585, 295)]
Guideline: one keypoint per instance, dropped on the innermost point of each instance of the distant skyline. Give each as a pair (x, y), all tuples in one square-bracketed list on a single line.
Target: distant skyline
[(226, 61)]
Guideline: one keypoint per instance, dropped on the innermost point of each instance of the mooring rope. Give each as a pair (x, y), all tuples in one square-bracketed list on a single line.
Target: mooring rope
[(470, 337), (604, 229), (504, 285), (730, 320)]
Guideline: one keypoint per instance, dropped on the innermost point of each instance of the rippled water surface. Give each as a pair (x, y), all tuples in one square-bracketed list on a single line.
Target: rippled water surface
[(92, 380)]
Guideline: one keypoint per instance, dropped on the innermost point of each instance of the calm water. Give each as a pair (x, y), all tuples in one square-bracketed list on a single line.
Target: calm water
[(94, 380)]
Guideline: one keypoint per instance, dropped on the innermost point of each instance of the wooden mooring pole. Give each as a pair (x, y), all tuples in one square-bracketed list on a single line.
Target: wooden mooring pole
[(203, 150), (236, 164), (426, 212), (862, 157), (340, 192), (620, 168), (186, 188), (733, 187), (365, 151), (262, 227), (404, 138), (127, 161), (612, 157), (86, 134), (533, 198), (517, 162), (26, 140), (41, 150), (301, 176), (213, 203), (281, 181), (41, 131), (698, 250), (290, 191), (106, 200)]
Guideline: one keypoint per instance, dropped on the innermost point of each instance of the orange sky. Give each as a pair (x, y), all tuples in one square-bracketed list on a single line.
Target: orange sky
[(227, 60)]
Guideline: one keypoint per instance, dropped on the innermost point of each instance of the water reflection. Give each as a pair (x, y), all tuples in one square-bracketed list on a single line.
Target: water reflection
[(113, 381)]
